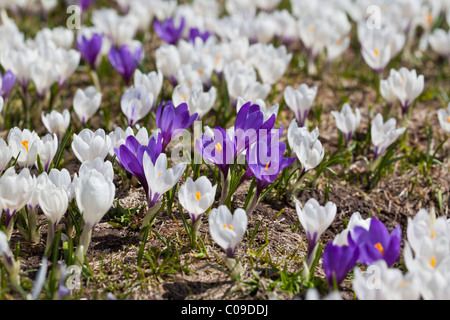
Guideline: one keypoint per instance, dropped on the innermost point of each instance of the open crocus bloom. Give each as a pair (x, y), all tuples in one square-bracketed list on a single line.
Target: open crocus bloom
[(347, 121), (406, 85), (377, 244), (56, 122), (300, 101), (382, 283), (306, 146), (173, 120), (227, 229), (136, 103), (131, 155), (217, 147), (159, 178), (384, 134), (197, 196), (315, 219), (24, 145)]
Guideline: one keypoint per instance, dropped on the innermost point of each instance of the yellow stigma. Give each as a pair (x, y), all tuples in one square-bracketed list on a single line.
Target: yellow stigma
[(200, 71), (380, 248), (433, 261), (433, 235), (310, 28), (25, 144), (185, 97), (429, 18), (267, 166), (159, 174), (217, 58), (219, 147), (377, 53), (228, 227), (447, 119), (339, 42), (403, 80), (198, 195), (140, 101)]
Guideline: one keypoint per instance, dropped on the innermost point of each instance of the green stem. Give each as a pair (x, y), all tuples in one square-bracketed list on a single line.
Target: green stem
[(50, 236), (151, 213), (225, 183)]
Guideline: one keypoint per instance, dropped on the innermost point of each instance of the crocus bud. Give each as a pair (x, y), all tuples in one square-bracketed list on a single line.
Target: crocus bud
[(55, 122), (89, 145), (86, 103)]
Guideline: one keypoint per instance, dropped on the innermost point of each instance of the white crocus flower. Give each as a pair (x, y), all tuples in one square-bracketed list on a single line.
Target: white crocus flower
[(196, 197), (270, 62), (94, 195), (439, 41), (67, 62), (118, 137), (5, 155), (136, 103), (89, 145), (444, 118), (44, 75), (315, 219), (227, 229), (24, 145), (300, 101), (384, 133), (152, 82), (406, 85), (347, 121), (306, 146), (47, 148), (56, 122), (104, 167), (61, 179), (198, 101), (160, 179), (86, 103), (19, 61), (381, 283), (53, 202), (168, 60), (15, 192)]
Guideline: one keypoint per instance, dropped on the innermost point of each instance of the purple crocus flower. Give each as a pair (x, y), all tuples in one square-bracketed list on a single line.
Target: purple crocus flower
[(218, 149), (90, 48), (167, 30), (131, 154), (173, 120), (376, 243), (265, 160), (125, 61), (195, 32), (338, 261), (85, 4), (7, 83), (249, 121)]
